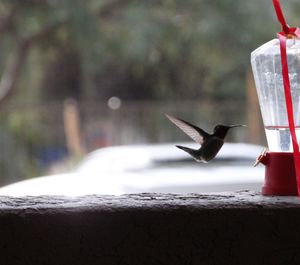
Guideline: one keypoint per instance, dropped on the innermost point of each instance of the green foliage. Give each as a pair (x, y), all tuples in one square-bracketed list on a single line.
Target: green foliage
[(19, 141), (165, 49)]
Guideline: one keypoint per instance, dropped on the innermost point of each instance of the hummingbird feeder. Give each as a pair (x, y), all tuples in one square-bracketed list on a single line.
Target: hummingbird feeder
[(276, 70)]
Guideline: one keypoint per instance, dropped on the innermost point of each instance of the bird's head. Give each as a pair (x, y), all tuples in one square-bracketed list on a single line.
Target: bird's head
[(221, 130)]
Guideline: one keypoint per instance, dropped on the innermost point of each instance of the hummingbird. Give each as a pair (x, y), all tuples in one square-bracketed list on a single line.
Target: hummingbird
[(210, 143)]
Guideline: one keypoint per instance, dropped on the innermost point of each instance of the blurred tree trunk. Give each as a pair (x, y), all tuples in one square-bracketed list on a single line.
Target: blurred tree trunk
[(255, 126)]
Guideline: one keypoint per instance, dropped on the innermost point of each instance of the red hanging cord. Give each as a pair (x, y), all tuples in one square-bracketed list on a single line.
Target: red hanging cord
[(282, 36), (280, 16)]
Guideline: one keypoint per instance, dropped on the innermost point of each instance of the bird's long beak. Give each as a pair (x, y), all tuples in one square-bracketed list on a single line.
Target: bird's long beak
[(237, 125)]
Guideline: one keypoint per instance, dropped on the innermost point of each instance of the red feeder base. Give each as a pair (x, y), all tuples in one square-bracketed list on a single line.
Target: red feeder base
[(280, 176)]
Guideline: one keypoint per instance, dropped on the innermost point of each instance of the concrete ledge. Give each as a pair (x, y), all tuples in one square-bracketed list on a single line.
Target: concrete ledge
[(224, 228)]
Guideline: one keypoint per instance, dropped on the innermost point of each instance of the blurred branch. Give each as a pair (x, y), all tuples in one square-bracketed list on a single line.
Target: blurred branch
[(106, 9), (13, 67), (6, 21)]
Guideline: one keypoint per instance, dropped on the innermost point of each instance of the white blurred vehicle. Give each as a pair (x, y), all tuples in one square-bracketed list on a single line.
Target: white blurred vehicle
[(151, 168)]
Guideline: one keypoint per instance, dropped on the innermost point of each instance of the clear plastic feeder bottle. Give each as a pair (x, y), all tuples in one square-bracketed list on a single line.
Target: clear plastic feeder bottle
[(280, 177), (266, 66)]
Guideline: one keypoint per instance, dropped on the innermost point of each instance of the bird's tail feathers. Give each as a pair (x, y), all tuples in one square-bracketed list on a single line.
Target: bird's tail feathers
[(186, 149)]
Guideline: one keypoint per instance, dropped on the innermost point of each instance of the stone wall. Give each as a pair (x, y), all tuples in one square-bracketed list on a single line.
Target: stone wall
[(144, 229)]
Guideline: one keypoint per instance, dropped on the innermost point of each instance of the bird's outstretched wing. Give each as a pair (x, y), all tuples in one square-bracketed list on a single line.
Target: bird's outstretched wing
[(197, 134)]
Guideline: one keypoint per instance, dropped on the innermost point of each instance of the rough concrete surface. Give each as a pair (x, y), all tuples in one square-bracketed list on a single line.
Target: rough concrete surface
[(223, 228)]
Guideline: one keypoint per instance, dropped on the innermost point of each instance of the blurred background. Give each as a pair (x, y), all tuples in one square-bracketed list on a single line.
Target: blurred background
[(79, 75)]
